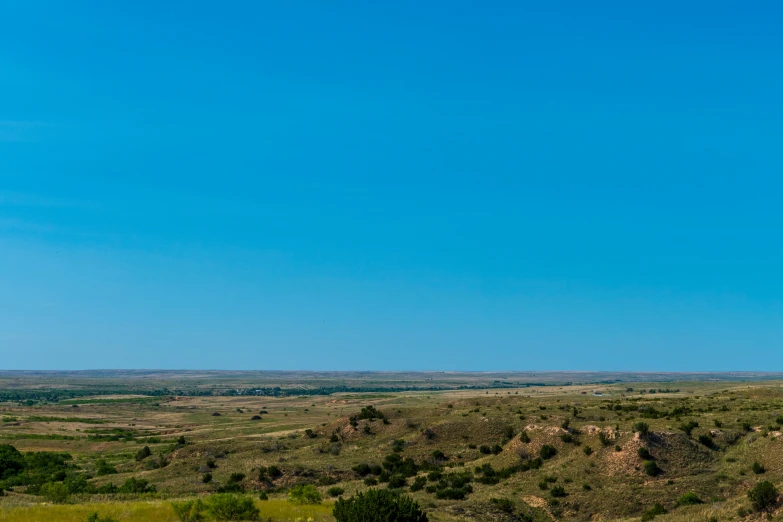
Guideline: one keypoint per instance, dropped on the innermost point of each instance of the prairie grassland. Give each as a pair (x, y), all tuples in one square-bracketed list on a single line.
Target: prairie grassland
[(703, 436)]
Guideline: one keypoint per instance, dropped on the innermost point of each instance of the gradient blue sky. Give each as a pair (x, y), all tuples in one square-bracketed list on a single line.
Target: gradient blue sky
[(391, 185)]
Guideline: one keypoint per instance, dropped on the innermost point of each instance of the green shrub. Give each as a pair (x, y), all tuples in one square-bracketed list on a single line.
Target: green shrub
[(418, 484), (136, 486), (644, 453), (653, 512), (763, 495), (689, 499), (335, 491), (227, 506), (397, 481), (304, 494), (651, 468), (189, 511), (706, 440), (143, 453), (103, 468), (547, 451), (484, 449), (758, 469), (361, 469), (378, 505), (11, 461), (233, 484), (206, 478), (558, 491), (262, 495), (642, 428), (56, 492), (603, 438), (371, 481), (689, 426), (503, 504), (524, 437)]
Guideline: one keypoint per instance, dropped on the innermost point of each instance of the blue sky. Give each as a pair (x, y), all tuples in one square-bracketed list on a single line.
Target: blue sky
[(398, 186)]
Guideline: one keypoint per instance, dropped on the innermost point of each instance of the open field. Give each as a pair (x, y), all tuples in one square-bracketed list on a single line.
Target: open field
[(564, 446)]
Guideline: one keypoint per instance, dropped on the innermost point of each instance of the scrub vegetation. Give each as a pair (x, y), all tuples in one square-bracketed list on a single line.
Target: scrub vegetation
[(505, 449)]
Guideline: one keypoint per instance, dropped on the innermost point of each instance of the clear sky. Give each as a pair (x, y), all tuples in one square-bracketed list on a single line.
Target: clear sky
[(391, 185)]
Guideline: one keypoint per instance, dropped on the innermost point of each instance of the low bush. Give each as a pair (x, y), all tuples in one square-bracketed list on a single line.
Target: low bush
[(558, 491), (304, 494), (689, 499), (227, 506), (763, 495), (547, 451), (651, 468), (378, 505), (653, 512)]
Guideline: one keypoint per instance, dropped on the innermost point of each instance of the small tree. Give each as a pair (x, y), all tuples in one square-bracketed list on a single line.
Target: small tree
[(547, 451), (143, 453), (335, 491), (378, 505), (763, 495), (642, 428), (11, 461), (689, 499), (227, 506), (397, 481), (304, 494), (689, 426), (653, 512), (558, 491), (651, 468), (55, 492)]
